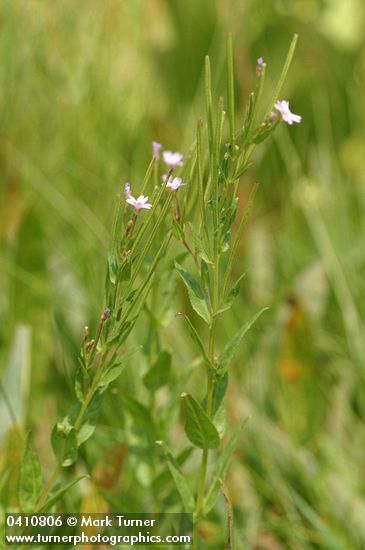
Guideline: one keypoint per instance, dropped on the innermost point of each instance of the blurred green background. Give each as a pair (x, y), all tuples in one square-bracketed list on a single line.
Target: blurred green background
[(85, 88)]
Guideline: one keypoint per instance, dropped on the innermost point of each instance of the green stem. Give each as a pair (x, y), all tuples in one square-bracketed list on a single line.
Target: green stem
[(192, 254), (210, 387), (52, 480), (96, 341), (203, 470), (152, 166)]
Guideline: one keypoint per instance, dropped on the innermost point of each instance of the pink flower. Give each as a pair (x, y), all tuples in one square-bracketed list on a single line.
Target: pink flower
[(172, 159), (173, 183), (139, 203), (285, 113)]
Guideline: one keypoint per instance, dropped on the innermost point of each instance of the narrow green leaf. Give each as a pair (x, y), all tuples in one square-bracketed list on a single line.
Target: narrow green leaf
[(198, 427), (200, 245), (227, 218), (85, 432), (81, 380), (158, 375), (241, 168), (195, 292), (117, 337), (256, 102), (148, 174), (55, 497), (177, 230), (112, 372), (264, 131), (30, 485), (231, 348), (220, 420), (130, 297), (163, 478), (225, 162), (125, 271), (127, 326), (200, 176), (208, 103), (231, 296), (218, 128), (90, 418), (225, 242), (220, 384), (220, 469), (110, 375), (112, 267), (69, 421), (196, 339), (64, 444), (230, 89), (244, 131), (219, 391), (204, 274), (116, 222), (179, 478)]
